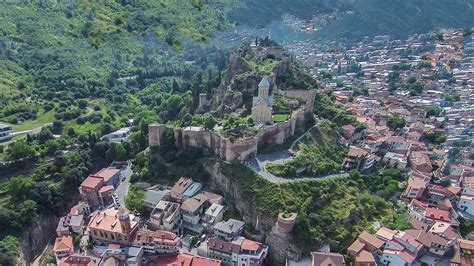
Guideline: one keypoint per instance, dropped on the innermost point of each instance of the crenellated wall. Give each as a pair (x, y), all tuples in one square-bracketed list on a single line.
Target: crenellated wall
[(241, 149)]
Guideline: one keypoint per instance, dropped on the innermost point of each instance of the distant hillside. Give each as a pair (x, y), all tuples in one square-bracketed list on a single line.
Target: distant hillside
[(402, 17), (371, 17), (259, 13)]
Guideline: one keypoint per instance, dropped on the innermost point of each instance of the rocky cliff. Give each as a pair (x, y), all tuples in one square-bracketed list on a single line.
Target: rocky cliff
[(36, 236), (281, 243)]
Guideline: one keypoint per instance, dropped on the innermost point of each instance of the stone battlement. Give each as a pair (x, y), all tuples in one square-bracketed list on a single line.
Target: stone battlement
[(240, 149)]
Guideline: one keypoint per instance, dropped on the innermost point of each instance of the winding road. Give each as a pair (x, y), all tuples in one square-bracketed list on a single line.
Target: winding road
[(259, 163)]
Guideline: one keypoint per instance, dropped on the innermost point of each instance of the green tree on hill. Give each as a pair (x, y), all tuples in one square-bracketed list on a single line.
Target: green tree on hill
[(396, 122), (134, 200)]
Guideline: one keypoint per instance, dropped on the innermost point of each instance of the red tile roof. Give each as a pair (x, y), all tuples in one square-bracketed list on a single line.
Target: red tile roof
[(186, 260), (248, 244), (63, 242), (107, 173), (437, 214), (92, 182)]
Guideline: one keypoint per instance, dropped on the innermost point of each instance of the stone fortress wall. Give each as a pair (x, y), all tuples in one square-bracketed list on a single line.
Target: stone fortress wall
[(241, 149)]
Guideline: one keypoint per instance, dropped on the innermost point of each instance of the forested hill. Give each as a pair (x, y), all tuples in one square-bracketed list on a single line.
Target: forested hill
[(401, 17), (370, 17), (50, 46)]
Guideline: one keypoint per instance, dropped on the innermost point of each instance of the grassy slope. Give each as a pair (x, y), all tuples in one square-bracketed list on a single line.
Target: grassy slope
[(336, 209), (319, 151)]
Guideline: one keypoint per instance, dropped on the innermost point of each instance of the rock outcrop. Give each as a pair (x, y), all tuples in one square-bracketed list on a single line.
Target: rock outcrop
[(277, 237), (36, 236)]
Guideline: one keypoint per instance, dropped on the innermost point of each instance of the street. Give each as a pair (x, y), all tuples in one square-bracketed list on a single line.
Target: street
[(124, 185)]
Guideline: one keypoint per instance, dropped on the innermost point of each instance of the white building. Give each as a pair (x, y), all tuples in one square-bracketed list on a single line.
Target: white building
[(118, 136), (466, 203), (5, 132)]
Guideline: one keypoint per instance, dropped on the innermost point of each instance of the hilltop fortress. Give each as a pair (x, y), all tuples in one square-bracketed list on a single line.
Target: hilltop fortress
[(242, 148)]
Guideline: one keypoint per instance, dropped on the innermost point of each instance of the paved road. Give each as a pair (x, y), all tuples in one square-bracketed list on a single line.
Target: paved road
[(123, 186), (33, 131), (259, 163)]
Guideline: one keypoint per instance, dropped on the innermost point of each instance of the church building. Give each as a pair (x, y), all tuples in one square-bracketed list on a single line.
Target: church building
[(262, 104)]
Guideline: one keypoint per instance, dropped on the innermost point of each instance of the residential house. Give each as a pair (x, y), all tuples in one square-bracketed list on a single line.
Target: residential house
[(463, 254), (415, 188), (355, 158), (363, 248), (420, 161), (326, 259), (421, 211), (106, 195), (435, 243), (252, 253), (191, 210), (63, 246), (214, 214), (118, 136), (89, 190), (165, 216), (153, 196), (110, 175), (63, 225), (184, 259), (466, 204), (225, 251), (397, 257), (241, 251), (395, 160), (229, 229), (112, 225), (78, 260), (5, 132), (157, 242), (191, 190), (179, 187)]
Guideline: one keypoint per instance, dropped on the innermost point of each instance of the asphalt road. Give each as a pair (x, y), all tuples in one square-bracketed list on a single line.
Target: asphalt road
[(123, 186), (259, 163)]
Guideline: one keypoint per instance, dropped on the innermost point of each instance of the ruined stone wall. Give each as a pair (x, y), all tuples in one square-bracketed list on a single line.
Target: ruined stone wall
[(306, 95), (241, 149)]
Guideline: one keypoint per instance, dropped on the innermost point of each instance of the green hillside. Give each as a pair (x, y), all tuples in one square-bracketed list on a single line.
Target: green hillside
[(402, 17)]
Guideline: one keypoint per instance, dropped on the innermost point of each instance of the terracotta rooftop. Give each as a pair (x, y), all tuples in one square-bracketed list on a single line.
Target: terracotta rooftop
[(156, 236), (405, 255), (466, 244), (63, 242), (356, 246), (327, 258), (180, 186), (364, 256), (385, 233), (107, 173), (192, 204), (76, 260), (437, 214), (251, 245), (223, 246), (108, 220), (92, 182), (106, 188), (371, 239)]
